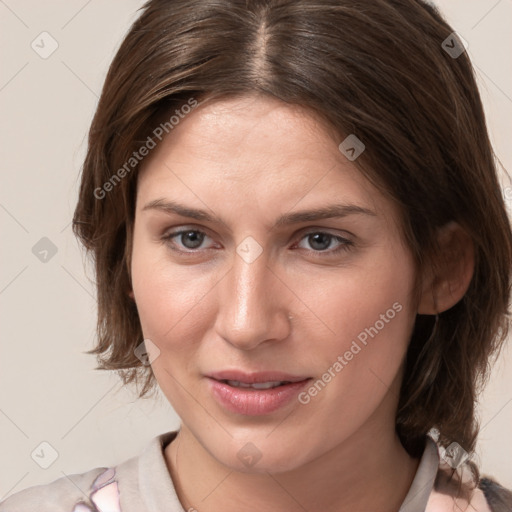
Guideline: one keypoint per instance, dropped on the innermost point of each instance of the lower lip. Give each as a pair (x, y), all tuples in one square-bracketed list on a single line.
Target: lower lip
[(254, 402)]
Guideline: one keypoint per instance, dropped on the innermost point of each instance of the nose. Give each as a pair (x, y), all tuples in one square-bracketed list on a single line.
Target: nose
[(253, 304)]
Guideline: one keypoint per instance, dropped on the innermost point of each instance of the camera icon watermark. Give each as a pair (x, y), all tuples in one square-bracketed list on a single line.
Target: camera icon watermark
[(249, 249), (146, 352), (507, 193), (249, 454), (454, 45), (44, 455), (454, 455), (44, 250), (352, 147), (44, 45)]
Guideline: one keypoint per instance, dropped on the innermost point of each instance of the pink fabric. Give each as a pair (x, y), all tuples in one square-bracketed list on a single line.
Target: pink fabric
[(104, 494)]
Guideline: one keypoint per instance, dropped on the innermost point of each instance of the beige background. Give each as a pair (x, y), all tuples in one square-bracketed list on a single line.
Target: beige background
[(49, 390)]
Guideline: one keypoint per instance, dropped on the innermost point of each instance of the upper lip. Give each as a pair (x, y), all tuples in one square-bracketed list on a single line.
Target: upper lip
[(256, 377)]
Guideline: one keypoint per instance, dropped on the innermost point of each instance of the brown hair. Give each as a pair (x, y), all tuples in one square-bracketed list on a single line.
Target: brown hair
[(374, 68)]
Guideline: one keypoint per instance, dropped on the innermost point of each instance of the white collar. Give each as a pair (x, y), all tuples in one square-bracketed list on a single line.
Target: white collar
[(419, 493)]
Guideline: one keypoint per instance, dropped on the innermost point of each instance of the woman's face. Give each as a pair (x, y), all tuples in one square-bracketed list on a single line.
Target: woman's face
[(216, 299)]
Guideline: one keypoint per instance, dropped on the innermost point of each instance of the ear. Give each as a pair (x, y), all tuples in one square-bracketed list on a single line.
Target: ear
[(131, 294), (452, 270)]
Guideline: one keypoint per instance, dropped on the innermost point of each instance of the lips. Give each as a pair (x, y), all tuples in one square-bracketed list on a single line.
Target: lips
[(256, 377), (255, 385), (254, 394)]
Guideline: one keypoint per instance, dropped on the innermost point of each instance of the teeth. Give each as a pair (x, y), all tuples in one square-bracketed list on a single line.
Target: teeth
[(255, 385)]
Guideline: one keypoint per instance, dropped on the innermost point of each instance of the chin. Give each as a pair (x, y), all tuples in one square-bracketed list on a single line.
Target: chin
[(261, 457)]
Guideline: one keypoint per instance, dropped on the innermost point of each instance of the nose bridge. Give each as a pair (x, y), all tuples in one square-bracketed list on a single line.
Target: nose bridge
[(249, 281), (252, 307)]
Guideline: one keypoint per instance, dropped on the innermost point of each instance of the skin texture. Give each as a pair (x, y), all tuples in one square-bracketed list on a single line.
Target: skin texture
[(248, 161)]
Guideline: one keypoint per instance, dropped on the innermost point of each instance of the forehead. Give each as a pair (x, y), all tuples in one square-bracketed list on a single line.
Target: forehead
[(255, 150), (228, 127)]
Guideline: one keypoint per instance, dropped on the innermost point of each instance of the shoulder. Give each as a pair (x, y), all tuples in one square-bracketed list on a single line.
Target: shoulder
[(111, 489), (498, 497), (74, 493), (454, 491)]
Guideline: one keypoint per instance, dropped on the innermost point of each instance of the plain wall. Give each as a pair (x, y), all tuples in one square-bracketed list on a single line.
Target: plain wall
[(49, 389)]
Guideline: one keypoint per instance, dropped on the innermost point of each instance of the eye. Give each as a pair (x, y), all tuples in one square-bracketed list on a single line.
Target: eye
[(320, 241), (191, 239)]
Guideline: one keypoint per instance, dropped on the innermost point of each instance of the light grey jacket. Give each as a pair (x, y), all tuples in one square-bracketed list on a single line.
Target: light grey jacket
[(143, 484)]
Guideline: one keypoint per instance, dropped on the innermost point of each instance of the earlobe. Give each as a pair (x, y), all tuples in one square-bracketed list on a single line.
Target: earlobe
[(453, 267)]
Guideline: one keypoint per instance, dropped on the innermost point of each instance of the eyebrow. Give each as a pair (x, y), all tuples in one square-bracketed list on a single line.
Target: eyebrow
[(327, 212)]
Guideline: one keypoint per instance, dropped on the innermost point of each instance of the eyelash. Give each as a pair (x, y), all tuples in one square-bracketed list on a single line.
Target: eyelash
[(345, 245)]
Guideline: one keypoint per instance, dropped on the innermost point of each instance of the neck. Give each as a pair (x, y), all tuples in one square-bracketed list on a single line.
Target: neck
[(369, 471)]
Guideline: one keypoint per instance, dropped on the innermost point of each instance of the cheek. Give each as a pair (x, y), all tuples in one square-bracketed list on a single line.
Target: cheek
[(370, 299), (370, 316), (168, 296)]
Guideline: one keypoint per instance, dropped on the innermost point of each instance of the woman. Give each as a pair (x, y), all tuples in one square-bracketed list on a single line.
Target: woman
[(231, 138)]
